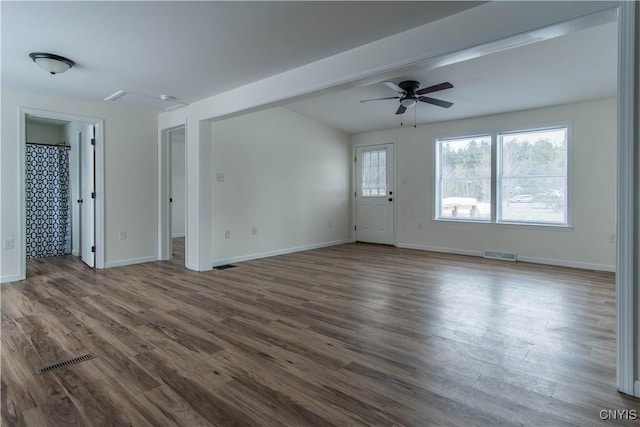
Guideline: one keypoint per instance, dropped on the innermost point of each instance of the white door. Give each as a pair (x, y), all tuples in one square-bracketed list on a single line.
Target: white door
[(375, 194), (87, 197)]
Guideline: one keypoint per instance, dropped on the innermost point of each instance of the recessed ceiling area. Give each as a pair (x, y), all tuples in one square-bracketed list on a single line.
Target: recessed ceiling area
[(189, 49), (578, 66)]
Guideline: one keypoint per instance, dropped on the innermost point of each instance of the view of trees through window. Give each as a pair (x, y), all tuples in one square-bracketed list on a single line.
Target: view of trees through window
[(531, 177), (465, 173), (534, 176)]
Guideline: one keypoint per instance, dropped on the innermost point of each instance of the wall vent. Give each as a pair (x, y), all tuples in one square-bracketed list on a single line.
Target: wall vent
[(504, 256)]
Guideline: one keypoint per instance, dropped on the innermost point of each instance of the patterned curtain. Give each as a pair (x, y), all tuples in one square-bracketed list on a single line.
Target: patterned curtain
[(48, 201)]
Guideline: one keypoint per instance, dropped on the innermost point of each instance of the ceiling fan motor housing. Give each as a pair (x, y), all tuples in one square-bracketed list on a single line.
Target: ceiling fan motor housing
[(409, 86)]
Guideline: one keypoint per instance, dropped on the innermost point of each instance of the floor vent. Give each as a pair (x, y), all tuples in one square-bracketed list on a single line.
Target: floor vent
[(66, 363), (504, 256), (224, 267)]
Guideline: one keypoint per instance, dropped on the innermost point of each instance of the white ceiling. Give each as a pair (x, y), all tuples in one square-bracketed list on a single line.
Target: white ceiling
[(579, 66), (190, 50), (193, 50)]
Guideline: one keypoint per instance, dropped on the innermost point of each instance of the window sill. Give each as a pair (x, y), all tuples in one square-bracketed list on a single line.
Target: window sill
[(516, 225)]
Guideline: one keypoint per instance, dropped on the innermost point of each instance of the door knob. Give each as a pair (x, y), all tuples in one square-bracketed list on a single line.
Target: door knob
[(391, 199), (79, 200)]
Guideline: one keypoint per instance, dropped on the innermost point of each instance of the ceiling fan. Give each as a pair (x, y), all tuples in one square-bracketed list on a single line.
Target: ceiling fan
[(410, 94)]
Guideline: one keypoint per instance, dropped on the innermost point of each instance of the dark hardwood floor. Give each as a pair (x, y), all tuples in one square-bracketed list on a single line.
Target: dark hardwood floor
[(348, 335)]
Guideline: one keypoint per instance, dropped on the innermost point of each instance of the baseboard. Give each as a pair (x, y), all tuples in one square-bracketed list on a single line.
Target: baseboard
[(454, 251), (521, 258), (75, 252), (260, 255), (173, 236), (130, 261), (10, 278), (567, 263), (636, 388)]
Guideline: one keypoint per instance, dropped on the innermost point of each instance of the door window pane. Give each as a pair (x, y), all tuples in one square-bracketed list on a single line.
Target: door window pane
[(374, 173)]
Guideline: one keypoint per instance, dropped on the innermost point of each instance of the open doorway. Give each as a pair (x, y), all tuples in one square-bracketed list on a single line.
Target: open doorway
[(178, 190), (60, 197), (173, 195)]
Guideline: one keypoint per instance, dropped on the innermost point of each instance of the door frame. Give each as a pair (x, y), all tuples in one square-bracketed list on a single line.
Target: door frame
[(354, 150), (21, 244), (164, 191)]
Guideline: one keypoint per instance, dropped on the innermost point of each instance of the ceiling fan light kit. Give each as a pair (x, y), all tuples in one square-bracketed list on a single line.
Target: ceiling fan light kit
[(410, 94), (408, 102), (51, 63)]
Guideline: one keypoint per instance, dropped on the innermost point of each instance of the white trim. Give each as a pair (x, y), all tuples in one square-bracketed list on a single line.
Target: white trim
[(534, 260), (277, 252), (173, 236), (10, 278), (568, 263), (21, 243), (75, 252), (454, 251), (130, 261), (636, 388), (627, 199)]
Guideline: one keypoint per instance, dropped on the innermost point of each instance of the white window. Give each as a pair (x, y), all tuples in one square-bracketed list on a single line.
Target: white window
[(526, 170), (374, 173), (532, 184), (464, 178)]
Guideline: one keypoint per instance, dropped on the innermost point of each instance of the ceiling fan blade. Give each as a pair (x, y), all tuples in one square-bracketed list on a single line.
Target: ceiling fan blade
[(438, 102), (393, 86), (434, 88), (380, 99), (401, 109)]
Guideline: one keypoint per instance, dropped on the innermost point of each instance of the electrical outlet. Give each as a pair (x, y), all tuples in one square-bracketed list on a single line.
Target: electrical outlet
[(9, 243), (220, 177), (122, 234), (254, 231), (227, 234), (330, 224)]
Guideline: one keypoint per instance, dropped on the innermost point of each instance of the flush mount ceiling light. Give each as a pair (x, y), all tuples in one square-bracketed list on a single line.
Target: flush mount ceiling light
[(54, 64)]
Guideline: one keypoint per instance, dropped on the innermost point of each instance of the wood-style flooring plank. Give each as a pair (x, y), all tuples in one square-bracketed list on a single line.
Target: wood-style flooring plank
[(351, 335)]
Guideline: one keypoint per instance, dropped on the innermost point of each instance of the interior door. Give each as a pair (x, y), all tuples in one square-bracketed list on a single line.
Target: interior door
[(375, 194), (87, 197)]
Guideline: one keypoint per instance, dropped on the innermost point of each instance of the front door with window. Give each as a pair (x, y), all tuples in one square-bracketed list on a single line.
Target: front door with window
[(375, 194)]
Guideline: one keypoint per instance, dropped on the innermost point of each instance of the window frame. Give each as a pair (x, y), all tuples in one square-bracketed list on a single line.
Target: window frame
[(438, 179), (500, 176), (496, 177)]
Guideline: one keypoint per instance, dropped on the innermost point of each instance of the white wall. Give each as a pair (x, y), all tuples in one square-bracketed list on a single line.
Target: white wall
[(178, 184), (285, 174), (130, 197), (40, 133), (593, 170)]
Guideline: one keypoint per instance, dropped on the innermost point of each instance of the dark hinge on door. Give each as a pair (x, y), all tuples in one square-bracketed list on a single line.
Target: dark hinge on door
[(355, 194), (93, 248), (93, 141), (355, 228), (93, 195)]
